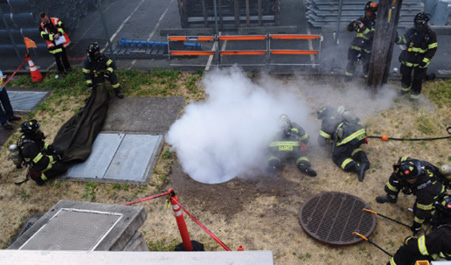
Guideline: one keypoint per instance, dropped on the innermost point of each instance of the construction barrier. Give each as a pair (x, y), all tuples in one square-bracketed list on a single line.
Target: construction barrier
[(178, 213), (270, 53)]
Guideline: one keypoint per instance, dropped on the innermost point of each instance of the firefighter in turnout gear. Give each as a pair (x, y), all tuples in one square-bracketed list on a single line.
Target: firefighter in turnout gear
[(52, 31), (40, 157), (362, 44), (433, 246), (420, 43), (97, 67), (413, 176), (290, 144), (340, 129)]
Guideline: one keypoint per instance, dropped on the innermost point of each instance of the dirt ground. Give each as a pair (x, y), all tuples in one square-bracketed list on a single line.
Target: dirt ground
[(262, 213)]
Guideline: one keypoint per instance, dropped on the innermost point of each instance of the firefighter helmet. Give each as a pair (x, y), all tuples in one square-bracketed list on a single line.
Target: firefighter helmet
[(93, 47), (322, 113), (371, 6), (409, 169), (30, 126), (421, 19), (284, 121), (443, 210)]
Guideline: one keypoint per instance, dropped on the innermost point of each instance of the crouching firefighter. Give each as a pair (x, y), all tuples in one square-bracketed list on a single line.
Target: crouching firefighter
[(40, 157), (420, 178), (341, 129), (97, 66), (436, 245), (290, 143)]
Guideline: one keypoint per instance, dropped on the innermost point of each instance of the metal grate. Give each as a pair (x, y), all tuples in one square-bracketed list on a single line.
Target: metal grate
[(332, 217)]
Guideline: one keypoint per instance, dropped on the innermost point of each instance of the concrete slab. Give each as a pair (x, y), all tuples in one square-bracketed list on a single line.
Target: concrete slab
[(13, 257), (72, 225), (119, 158), (150, 115)]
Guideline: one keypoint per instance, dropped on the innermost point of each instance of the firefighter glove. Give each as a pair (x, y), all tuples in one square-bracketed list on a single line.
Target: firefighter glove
[(416, 227), (424, 63)]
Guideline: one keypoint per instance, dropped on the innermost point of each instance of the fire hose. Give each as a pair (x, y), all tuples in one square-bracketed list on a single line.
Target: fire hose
[(384, 137)]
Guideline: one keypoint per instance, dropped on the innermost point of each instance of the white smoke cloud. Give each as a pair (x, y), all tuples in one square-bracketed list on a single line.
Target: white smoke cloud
[(227, 135)]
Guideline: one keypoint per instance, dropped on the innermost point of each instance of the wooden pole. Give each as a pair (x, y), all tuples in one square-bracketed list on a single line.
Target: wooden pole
[(386, 25)]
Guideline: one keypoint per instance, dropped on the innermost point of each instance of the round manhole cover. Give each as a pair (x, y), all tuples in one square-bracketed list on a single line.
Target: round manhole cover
[(332, 217)]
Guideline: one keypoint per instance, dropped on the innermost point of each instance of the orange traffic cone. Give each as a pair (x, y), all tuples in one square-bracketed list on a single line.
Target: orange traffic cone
[(36, 76)]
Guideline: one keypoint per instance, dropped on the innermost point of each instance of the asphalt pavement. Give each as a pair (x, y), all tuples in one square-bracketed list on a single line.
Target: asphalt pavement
[(153, 20)]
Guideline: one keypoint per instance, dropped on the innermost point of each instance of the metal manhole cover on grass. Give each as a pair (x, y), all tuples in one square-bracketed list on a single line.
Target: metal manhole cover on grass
[(332, 217)]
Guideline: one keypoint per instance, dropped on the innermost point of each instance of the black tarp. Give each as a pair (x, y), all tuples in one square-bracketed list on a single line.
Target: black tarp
[(75, 138)]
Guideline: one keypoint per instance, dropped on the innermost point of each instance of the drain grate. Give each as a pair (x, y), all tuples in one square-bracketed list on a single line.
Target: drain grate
[(331, 217)]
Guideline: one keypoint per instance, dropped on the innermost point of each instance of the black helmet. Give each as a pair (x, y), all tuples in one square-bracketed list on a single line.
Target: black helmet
[(421, 19), (322, 113), (409, 169), (371, 6), (30, 126), (93, 47), (442, 210)]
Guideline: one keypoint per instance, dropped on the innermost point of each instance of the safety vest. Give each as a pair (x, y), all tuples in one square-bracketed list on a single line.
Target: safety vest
[(51, 44)]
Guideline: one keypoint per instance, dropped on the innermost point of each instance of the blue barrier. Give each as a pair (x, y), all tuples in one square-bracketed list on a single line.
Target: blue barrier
[(152, 44)]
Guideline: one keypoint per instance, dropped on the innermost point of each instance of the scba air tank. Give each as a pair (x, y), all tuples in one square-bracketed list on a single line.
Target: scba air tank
[(15, 156)]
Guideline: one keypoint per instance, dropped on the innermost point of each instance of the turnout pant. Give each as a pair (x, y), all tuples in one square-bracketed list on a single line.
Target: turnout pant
[(61, 61), (353, 56), (6, 111), (415, 85), (349, 157)]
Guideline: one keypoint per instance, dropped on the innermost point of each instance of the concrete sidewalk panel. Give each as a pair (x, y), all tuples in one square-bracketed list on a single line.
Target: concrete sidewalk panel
[(149, 115)]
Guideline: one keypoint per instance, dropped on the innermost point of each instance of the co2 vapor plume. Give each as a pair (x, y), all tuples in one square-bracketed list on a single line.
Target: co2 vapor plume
[(227, 135)]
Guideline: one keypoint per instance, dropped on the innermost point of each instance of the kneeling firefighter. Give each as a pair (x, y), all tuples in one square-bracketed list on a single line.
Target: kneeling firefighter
[(32, 151), (290, 144), (341, 129), (435, 245)]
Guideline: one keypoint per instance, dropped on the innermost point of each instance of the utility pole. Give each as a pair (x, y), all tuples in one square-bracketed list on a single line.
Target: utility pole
[(386, 25)]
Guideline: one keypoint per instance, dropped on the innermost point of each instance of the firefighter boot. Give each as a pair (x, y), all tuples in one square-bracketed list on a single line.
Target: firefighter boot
[(361, 170), (117, 92), (386, 198), (306, 170)]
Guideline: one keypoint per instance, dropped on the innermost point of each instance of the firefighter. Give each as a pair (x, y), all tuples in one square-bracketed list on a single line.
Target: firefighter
[(413, 176), (40, 157), (290, 143), (341, 130), (362, 44), (97, 67), (57, 39), (420, 44), (433, 246)]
